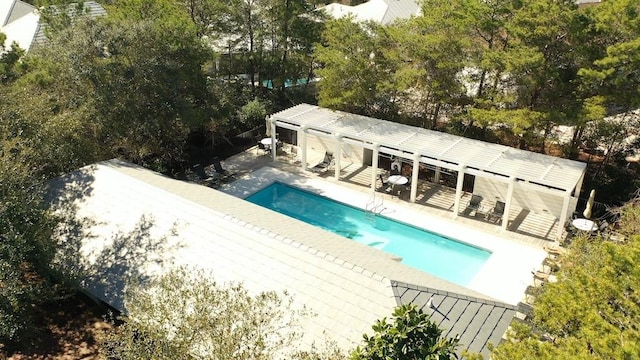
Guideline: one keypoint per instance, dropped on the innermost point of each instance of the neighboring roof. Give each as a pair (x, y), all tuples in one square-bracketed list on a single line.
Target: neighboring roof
[(18, 10), (22, 21), (381, 11), (90, 8), (476, 322), (6, 8), (447, 150), (129, 222)]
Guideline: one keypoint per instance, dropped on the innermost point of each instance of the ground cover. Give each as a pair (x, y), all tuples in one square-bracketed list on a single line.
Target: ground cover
[(70, 329)]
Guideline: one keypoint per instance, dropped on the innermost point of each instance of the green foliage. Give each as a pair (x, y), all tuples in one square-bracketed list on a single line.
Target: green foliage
[(114, 88), (253, 113), (186, 315), (593, 310), (410, 335), (10, 66), (26, 251), (354, 69)]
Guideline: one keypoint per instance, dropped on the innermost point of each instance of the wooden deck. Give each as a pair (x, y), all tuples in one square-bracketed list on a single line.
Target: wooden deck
[(436, 199)]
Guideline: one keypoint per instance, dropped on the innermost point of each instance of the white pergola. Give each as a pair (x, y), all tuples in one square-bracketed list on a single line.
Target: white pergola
[(528, 170)]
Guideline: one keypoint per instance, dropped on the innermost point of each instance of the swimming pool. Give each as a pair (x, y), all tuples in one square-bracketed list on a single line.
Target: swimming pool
[(440, 256)]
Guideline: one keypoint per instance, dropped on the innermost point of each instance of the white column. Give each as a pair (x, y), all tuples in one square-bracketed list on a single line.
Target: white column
[(337, 155), (374, 166), (414, 177), (507, 202), (274, 145), (563, 214), (456, 205), (436, 177), (303, 147), (579, 184)]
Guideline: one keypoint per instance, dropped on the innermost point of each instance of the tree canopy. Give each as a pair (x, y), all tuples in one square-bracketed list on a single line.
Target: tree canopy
[(522, 67), (409, 335), (185, 314), (593, 311)]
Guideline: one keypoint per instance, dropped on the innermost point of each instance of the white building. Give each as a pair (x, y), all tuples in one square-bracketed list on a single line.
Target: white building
[(20, 22), (384, 12)]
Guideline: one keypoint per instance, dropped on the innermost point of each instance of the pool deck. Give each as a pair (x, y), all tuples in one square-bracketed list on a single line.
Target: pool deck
[(515, 254)]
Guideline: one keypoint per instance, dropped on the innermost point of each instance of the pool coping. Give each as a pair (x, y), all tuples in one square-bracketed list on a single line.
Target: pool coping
[(504, 277)]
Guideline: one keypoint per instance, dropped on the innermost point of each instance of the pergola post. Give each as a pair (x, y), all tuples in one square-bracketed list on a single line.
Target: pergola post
[(507, 202), (579, 184), (414, 177), (274, 144), (436, 177), (303, 147), (374, 166), (456, 204), (563, 214), (337, 155)]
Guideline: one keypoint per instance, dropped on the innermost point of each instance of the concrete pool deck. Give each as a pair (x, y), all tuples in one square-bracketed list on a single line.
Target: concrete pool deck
[(506, 274)]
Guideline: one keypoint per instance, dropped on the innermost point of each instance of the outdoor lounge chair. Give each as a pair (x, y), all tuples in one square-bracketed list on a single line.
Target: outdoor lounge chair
[(544, 276), (496, 213), (554, 250), (200, 175), (221, 173), (325, 164), (473, 205)]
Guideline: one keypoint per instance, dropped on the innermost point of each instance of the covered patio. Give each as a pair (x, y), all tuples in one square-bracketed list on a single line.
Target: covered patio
[(516, 183)]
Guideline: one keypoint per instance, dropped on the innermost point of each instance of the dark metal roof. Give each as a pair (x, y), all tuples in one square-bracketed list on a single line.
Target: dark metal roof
[(476, 322)]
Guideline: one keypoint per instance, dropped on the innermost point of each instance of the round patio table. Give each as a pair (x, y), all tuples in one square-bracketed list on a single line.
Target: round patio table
[(584, 224), (398, 180)]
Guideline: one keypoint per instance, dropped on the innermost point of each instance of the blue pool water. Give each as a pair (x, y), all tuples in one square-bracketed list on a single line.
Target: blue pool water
[(440, 256)]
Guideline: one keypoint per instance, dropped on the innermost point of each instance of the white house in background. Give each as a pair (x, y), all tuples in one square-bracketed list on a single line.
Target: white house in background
[(384, 12), (20, 22)]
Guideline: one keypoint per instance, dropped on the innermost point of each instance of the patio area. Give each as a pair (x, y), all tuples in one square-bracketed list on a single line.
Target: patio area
[(535, 229)]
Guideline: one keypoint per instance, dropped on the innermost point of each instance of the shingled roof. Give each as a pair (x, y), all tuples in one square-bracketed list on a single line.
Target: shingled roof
[(476, 322), (21, 22)]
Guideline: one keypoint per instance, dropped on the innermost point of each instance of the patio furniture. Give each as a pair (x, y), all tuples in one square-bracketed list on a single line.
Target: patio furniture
[(473, 205), (385, 184), (554, 250), (325, 164), (545, 276), (584, 225), (497, 212), (262, 146), (395, 167), (201, 176), (294, 153), (222, 173), (395, 180), (268, 144)]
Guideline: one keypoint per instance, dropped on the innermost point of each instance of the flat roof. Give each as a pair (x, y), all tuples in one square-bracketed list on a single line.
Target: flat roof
[(127, 222), (540, 169)]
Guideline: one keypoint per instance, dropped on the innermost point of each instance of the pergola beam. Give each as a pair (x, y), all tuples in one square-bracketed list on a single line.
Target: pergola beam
[(500, 163)]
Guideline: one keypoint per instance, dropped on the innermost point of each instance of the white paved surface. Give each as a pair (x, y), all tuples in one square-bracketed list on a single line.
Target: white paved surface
[(505, 275)]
